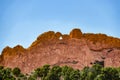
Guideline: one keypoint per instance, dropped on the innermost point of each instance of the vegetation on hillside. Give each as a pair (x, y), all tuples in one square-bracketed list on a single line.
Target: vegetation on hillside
[(46, 72)]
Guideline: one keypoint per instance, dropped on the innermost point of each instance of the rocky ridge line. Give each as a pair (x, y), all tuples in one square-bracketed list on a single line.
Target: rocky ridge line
[(60, 49)]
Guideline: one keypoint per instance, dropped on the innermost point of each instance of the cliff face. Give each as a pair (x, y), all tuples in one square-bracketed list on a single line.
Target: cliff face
[(76, 49)]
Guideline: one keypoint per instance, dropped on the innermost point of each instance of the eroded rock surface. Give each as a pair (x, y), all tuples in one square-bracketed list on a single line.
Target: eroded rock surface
[(76, 33), (76, 49)]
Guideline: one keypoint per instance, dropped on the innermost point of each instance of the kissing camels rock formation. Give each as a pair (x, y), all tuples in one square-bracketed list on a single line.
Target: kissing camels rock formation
[(76, 49)]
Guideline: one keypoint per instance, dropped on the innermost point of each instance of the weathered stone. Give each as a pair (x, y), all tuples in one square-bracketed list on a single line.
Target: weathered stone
[(18, 48), (6, 49), (65, 37), (58, 35), (76, 33), (76, 50), (44, 37)]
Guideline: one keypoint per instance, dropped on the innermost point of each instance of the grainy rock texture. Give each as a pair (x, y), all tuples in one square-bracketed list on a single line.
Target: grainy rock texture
[(76, 49)]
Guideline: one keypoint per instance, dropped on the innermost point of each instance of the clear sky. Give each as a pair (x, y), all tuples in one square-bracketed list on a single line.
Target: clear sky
[(21, 21)]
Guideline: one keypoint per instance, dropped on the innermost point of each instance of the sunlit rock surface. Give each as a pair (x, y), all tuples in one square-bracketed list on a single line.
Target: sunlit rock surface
[(76, 49)]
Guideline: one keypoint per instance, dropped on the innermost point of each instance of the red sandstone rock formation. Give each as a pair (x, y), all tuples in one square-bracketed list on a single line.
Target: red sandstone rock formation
[(76, 33), (76, 49)]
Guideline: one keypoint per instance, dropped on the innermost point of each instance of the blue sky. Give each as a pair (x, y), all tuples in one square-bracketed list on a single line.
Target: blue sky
[(21, 21)]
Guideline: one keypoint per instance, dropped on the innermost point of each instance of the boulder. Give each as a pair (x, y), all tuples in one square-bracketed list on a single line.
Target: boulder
[(76, 33)]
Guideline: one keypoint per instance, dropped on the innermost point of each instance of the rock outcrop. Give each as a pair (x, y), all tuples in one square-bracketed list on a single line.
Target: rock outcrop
[(76, 49), (76, 33)]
